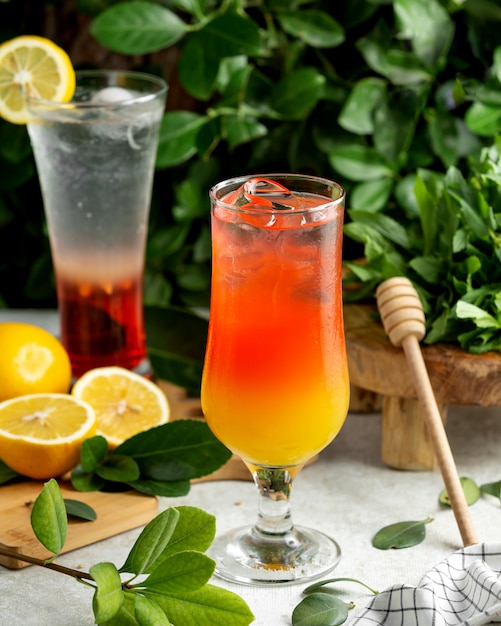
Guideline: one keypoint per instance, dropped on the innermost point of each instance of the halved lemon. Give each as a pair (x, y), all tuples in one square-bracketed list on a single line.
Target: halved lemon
[(31, 361), (34, 66), (41, 434), (125, 402)]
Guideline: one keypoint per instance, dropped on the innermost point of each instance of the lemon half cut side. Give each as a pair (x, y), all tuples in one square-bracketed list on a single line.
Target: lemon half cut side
[(33, 66), (32, 360), (125, 403), (41, 434)]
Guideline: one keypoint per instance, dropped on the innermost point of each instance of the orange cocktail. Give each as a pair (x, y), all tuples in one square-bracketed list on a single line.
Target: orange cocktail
[(275, 387)]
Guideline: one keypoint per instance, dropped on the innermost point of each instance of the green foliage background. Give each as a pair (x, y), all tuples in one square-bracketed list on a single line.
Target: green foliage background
[(364, 91)]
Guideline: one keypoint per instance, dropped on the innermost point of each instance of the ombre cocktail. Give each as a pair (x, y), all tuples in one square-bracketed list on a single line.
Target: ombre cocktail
[(275, 387)]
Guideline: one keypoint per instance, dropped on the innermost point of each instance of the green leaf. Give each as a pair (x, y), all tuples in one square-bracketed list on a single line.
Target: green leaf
[(224, 36), (148, 613), (470, 489), (167, 242), (232, 34), (315, 28), (320, 609), (372, 196), (185, 571), (195, 530), (137, 27), (108, 596), (465, 310), (194, 7), (395, 123), (148, 550), (198, 68), (401, 535), (126, 614), (242, 130), (162, 488), (383, 224), (191, 201), (450, 138), (403, 68), (427, 193), (492, 489), (178, 137), (93, 452), (178, 450), (497, 62), (483, 119), (119, 468), (210, 606), (358, 163), (430, 268), (48, 517), (357, 114), (428, 25), (399, 66), (79, 509), (233, 76), (321, 584), (7, 474), (176, 342), (86, 481), (297, 93)]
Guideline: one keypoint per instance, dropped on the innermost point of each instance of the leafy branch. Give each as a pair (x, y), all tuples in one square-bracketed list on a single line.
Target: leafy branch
[(164, 578)]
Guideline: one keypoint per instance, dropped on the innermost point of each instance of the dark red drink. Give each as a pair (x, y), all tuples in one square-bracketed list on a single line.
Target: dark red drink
[(102, 324)]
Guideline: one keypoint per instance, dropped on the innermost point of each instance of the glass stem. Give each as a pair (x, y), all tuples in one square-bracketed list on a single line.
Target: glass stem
[(274, 486)]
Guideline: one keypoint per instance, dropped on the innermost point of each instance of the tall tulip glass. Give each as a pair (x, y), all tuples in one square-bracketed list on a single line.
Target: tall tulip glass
[(95, 158), (275, 385)]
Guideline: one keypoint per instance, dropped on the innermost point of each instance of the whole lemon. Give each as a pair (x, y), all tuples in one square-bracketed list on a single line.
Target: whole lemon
[(32, 360)]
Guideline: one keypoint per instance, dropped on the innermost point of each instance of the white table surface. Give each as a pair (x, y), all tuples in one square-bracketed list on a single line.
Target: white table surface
[(348, 493)]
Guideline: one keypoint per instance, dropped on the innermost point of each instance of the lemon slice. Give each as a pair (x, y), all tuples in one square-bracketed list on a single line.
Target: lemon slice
[(125, 403), (41, 434), (34, 66)]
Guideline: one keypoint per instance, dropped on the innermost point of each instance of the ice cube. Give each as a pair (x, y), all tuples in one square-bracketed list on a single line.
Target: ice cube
[(271, 194), (110, 95), (263, 193)]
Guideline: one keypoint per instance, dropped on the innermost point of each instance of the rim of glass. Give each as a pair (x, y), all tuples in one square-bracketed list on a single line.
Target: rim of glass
[(236, 181), (143, 97)]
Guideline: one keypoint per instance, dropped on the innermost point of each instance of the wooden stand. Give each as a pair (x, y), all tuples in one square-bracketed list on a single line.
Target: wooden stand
[(375, 365)]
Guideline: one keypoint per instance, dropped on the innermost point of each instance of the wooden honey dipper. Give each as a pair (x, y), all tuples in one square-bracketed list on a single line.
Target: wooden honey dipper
[(404, 323)]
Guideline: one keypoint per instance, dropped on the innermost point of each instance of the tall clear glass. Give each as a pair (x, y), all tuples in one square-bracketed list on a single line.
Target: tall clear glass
[(95, 158), (275, 386)]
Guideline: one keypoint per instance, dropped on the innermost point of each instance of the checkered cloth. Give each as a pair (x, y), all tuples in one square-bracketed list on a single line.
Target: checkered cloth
[(462, 590)]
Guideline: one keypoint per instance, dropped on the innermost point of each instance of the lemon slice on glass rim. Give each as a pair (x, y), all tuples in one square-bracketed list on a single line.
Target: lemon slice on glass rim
[(34, 66)]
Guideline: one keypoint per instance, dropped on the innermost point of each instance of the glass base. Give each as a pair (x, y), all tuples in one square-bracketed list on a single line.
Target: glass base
[(250, 557)]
